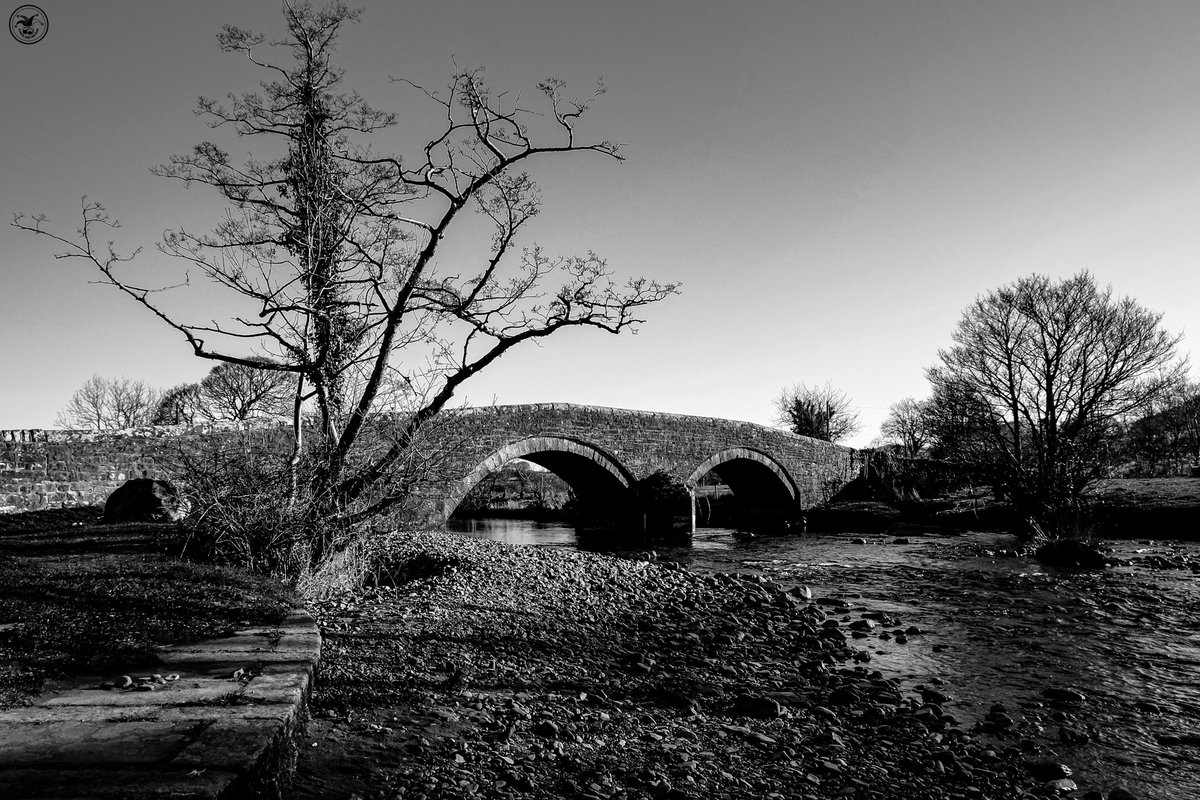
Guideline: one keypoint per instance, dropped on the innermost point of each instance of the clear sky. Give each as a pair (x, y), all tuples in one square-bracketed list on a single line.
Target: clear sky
[(833, 182)]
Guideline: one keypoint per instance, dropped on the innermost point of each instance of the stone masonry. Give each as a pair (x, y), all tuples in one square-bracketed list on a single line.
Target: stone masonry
[(584, 444)]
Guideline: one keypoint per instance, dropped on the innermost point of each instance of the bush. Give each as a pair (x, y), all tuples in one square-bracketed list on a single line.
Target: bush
[(243, 511)]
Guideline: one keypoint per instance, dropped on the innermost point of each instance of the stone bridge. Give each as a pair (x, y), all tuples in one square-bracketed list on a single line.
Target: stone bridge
[(607, 454)]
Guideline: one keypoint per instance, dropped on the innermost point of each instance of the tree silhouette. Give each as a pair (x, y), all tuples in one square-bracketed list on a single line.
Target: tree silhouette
[(821, 412), (1043, 373), (332, 249)]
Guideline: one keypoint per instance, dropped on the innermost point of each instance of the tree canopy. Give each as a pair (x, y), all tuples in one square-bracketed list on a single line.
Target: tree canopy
[(821, 412), (1040, 376), (908, 426), (102, 404)]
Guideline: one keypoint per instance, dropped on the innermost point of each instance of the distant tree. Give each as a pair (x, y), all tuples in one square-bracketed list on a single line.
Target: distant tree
[(1167, 439), (228, 393), (1189, 419), (954, 426), (334, 249), (821, 412), (179, 405), (239, 392), (88, 406), (908, 426), (109, 404), (1043, 373)]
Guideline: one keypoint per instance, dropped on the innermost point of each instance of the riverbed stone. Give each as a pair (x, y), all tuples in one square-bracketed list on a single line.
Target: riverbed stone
[(759, 707), (1061, 786), (1064, 694), (1121, 793), (1071, 553)]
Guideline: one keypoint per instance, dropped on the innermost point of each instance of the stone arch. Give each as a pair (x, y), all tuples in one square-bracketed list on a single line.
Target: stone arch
[(765, 493), (596, 477)]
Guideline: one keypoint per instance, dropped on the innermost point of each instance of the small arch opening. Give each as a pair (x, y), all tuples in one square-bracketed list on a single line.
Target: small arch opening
[(744, 489), (547, 478)]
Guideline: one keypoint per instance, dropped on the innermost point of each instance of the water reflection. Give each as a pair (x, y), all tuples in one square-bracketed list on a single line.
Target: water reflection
[(998, 630), (516, 531)]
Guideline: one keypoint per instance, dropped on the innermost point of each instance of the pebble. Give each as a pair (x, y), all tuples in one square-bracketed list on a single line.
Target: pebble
[(604, 658)]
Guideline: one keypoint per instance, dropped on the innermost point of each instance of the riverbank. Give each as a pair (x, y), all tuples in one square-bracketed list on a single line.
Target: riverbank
[(1126, 508), (478, 669)]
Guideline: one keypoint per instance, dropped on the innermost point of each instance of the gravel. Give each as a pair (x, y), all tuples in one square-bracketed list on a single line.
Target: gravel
[(480, 669)]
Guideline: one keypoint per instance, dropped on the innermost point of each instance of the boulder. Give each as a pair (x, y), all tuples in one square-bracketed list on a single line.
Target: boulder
[(747, 705), (144, 500), (1070, 553)]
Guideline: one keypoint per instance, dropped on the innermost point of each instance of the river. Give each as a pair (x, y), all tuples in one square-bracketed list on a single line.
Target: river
[(999, 629)]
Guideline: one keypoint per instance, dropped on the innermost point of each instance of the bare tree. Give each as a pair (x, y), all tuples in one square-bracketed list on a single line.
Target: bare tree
[(109, 404), (1167, 439), (88, 406), (333, 249), (237, 392), (953, 415), (908, 425), (821, 412), (228, 393), (1044, 371), (179, 405)]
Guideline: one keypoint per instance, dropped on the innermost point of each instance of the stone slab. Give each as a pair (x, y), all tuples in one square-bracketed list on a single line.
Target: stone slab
[(205, 735), (51, 783)]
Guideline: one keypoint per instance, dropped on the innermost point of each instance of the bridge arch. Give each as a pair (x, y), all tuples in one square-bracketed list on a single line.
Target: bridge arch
[(764, 492), (598, 479)]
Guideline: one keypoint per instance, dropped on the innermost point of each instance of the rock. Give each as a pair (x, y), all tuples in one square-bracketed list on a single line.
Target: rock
[(1120, 793), (747, 705), (673, 699), (802, 592), (144, 500), (1048, 770), (1073, 736), (1064, 695), (934, 696), (826, 714), (844, 696), (546, 728), (1061, 786), (1070, 553), (1001, 720)]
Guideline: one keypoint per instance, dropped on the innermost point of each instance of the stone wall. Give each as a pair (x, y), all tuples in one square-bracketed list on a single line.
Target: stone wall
[(55, 469), (42, 469)]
